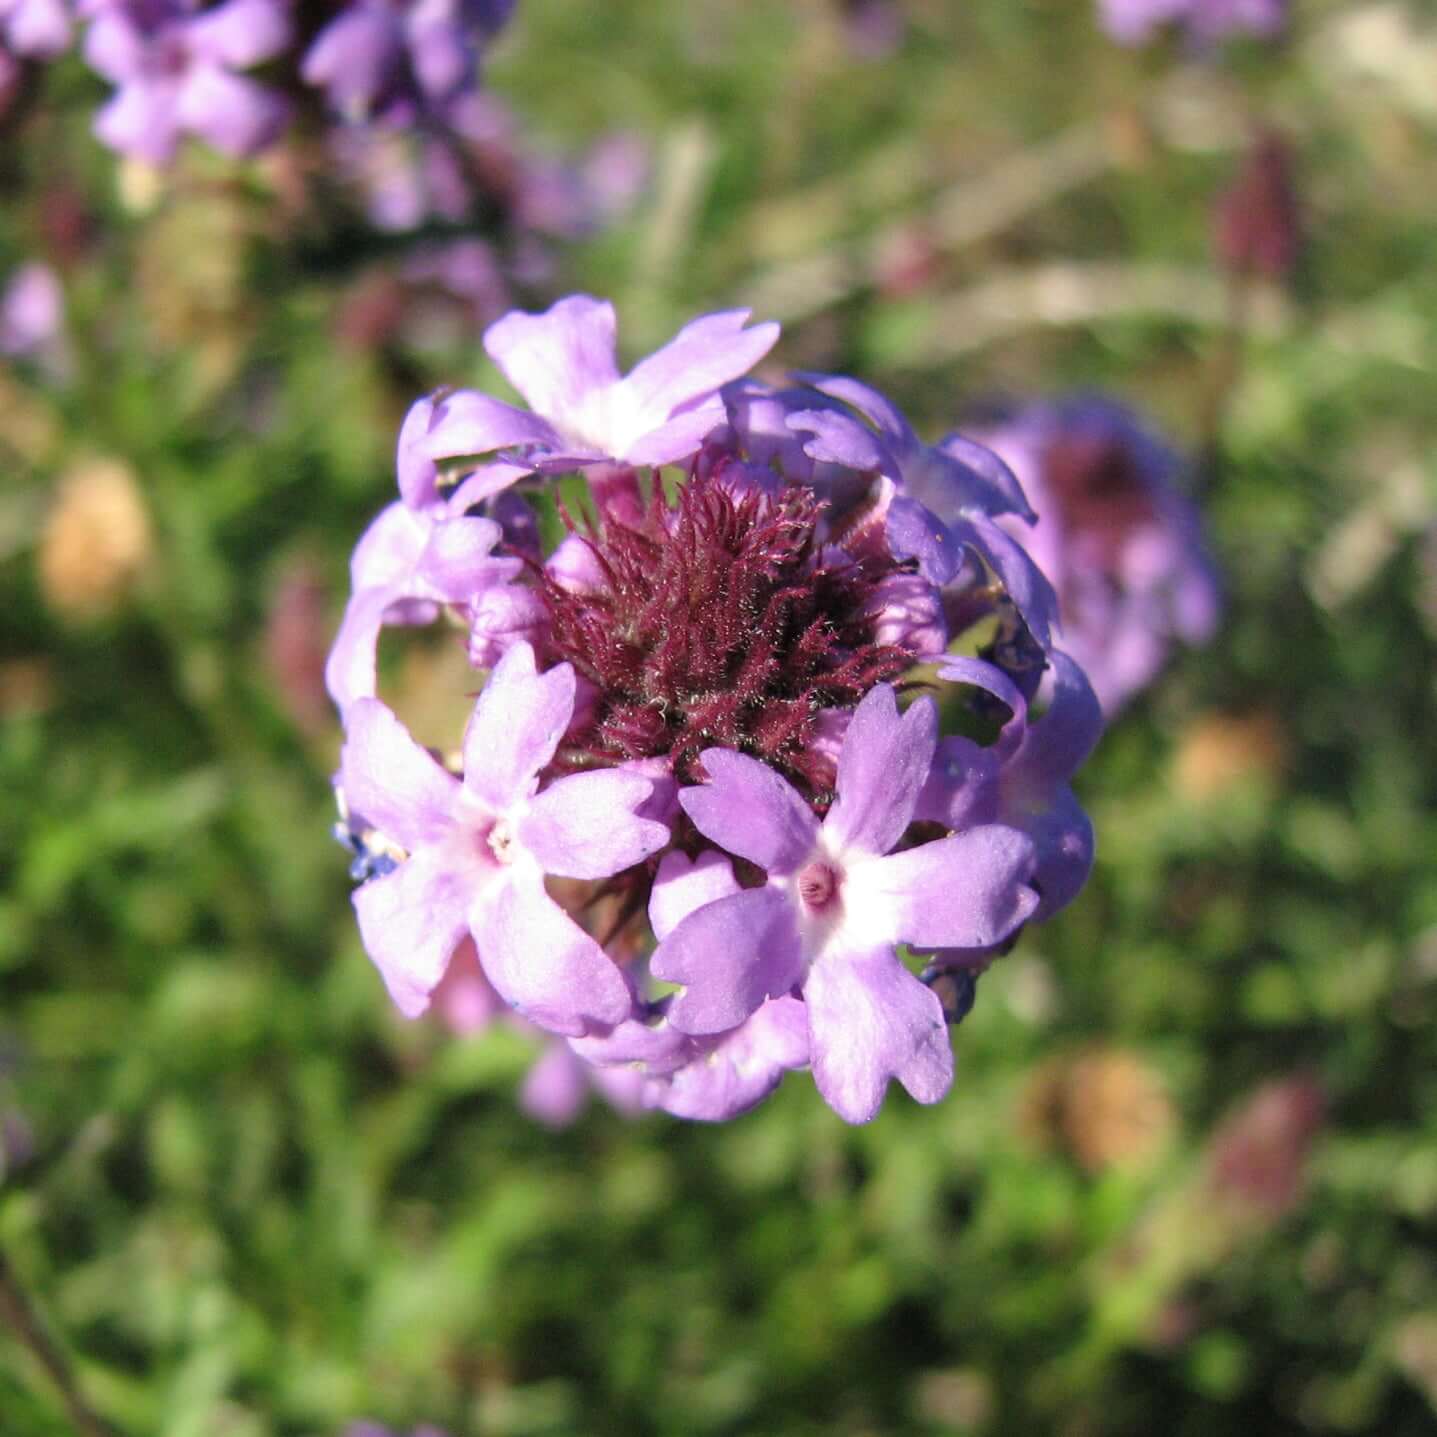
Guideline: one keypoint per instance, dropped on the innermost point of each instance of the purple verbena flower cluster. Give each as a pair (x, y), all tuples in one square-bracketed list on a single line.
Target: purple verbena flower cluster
[(177, 69), (393, 58), (756, 781), (1134, 22), (180, 66), (1119, 540)]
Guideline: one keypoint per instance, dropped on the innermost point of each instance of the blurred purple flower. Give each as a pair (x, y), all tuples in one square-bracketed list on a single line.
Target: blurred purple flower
[(614, 173), (295, 644), (377, 56), (940, 502), (32, 314), (1133, 22), (1257, 1159), (874, 29), (35, 29), (1121, 544), (465, 275), (559, 1083), (374, 1429), (174, 66)]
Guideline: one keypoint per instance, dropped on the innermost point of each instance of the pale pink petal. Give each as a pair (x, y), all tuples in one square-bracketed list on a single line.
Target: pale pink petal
[(456, 561), (677, 438), (351, 671), (882, 768), (683, 885), (871, 1020), (141, 120), (413, 919), (470, 423), (240, 33), (390, 547), (749, 809), (391, 781), (556, 1087), (541, 962), (558, 358), (968, 890), (584, 826), (702, 356), (233, 113), (730, 956), (515, 728), (735, 1071)]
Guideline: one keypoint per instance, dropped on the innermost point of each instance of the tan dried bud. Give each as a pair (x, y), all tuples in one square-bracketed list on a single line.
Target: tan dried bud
[(27, 687), (1221, 752), (1106, 1107), (1118, 1114), (97, 540)]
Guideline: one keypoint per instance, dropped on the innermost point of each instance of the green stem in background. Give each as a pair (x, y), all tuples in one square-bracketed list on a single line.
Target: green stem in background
[(18, 1313)]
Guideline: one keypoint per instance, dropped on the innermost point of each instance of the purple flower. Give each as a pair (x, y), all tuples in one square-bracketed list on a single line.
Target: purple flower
[(709, 1077), (837, 902), (1133, 22), (939, 502), (874, 29), (356, 58), (710, 654), (1022, 780), (559, 1085), (380, 55), (32, 314), (174, 67), (1256, 218), (37, 29), (422, 552), (477, 851), (1121, 544), (582, 411)]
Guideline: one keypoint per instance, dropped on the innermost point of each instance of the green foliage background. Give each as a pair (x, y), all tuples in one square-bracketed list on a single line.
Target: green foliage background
[(261, 1204)]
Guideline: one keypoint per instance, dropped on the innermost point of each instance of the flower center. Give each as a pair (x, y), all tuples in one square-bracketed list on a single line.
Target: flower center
[(1099, 486), (501, 842), (720, 622), (818, 885)]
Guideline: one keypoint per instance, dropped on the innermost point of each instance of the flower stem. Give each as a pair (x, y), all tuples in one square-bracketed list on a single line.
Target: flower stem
[(19, 1315)]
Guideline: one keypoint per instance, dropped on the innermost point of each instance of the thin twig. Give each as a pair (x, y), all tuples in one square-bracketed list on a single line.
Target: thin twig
[(18, 1313)]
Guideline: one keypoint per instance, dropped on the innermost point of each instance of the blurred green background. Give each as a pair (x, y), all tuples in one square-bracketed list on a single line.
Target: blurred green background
[(1187, 1178)]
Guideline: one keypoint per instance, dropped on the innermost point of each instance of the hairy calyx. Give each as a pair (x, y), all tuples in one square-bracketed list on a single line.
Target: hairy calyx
[(718, 621)]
